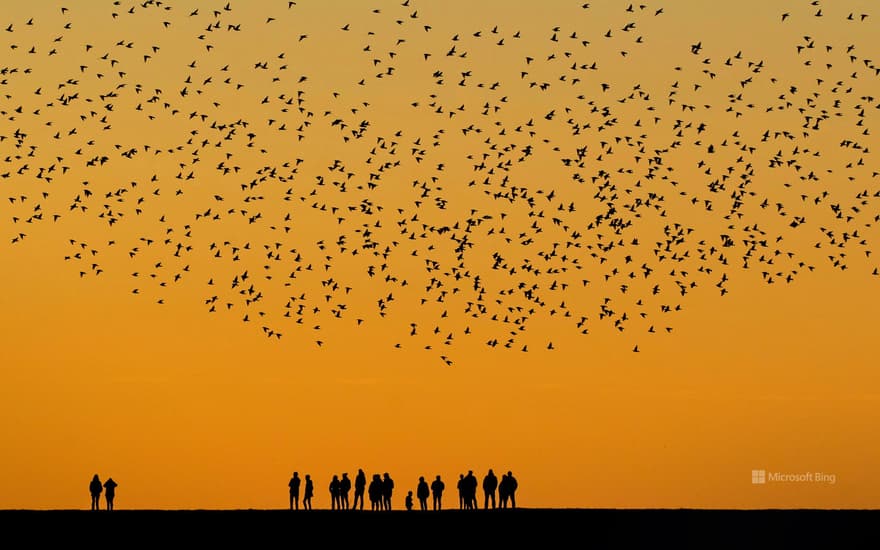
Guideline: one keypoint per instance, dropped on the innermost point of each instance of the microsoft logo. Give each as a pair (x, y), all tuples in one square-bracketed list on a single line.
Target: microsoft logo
[(763, 477)]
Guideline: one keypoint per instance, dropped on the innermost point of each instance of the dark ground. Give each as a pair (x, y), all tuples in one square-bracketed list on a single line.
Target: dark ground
[(526, 528)]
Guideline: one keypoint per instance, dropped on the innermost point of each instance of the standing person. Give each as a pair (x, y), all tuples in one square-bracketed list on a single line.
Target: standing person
[(308, 493), (461, 491), (409, 500), (503, 491), (511, 488), (490, 483), (360, 485), (375, 493), (294, 484), (422, 493), (110, 492), (344, 489), (95, 489), (387, 490), (437, 487), (470, 490), (334, 493)]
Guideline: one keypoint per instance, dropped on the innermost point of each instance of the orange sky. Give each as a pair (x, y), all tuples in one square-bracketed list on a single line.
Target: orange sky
[(303, 237)]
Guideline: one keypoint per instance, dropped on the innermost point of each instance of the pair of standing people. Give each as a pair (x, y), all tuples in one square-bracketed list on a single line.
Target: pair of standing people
[(339, 489), (380, 490), (507, 490), (435, 489), (108, 488), (294, 485), (467, 491)]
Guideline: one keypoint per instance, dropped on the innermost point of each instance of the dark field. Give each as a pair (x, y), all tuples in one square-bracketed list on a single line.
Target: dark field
[(535, 528)]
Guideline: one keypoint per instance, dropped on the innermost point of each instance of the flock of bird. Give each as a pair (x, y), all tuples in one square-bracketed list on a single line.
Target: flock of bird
[(453, 178)]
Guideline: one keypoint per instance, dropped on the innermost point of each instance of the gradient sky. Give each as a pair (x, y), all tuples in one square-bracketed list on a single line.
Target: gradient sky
[(624, 252)]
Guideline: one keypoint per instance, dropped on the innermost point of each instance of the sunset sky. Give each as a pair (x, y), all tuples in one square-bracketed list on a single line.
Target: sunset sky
[(625, 252)]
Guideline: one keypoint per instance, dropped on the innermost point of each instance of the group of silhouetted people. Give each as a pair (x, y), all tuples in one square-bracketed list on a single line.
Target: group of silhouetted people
[(108, 488), (381, 488), (506, 489), (379, 491)]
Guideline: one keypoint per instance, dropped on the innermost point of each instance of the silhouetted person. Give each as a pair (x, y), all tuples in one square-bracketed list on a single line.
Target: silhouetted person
[(461, 491), (511, 489), (422, 493), (374, 491), (334, 493), (503, 491), (110, 492), (387, 491), (490, 484), (360, 485), (470, 491), (344, 489), (437, 487), (95, 489), (294, 484), (308, 493), (409, 500)]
